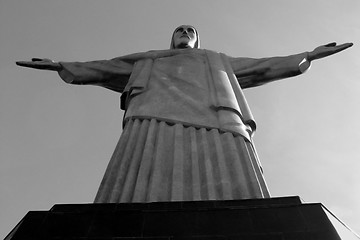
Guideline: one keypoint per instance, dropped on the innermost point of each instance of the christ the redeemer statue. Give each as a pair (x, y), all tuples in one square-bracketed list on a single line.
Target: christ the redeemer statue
[(187, 126)]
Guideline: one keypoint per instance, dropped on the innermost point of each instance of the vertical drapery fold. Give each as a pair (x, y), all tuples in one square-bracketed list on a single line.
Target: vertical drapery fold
[(195, 194), (159, 161)]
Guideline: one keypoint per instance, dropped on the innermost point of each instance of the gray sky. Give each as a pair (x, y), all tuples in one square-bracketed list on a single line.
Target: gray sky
[(56, 139)]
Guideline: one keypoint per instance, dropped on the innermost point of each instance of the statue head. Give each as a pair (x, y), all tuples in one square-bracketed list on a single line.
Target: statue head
[(185, 36)]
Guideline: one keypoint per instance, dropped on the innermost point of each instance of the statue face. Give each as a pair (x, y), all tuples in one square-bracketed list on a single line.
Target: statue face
[(185, 37)]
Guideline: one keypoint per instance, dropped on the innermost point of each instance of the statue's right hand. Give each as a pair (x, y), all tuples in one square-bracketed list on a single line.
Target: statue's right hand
[(40, 63)]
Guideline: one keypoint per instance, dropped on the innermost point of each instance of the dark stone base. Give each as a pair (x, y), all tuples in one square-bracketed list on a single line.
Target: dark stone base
[(255, 219)]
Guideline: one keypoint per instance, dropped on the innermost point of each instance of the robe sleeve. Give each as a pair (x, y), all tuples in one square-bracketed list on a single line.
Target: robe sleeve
[(252, 72), (112, 74)]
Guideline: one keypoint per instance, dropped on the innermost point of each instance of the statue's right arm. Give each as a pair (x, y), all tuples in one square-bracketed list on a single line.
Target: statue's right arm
[(112, 74)]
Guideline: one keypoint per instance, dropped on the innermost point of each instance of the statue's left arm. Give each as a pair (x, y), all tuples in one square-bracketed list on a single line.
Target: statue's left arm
[(254, 72)]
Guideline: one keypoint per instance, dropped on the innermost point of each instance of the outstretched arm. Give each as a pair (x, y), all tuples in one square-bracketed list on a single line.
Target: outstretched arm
[(252, 72), (112, 74)]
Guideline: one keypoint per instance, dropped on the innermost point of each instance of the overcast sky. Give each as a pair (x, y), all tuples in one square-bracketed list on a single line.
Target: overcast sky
[(56, 139)]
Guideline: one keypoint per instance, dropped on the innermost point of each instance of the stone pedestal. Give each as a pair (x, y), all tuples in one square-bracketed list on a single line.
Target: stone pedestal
[(254, 219)]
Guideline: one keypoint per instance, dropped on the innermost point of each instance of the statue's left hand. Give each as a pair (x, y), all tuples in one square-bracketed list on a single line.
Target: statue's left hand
[(327, 50)]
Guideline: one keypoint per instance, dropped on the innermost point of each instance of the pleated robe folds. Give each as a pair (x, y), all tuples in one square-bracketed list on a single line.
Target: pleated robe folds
[(187, 127)]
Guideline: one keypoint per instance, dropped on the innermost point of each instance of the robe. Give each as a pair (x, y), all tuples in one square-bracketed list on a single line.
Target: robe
[(187, 126)]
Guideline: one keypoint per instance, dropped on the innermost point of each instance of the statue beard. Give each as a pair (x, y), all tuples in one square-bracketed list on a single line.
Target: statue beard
[(183, 45)]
